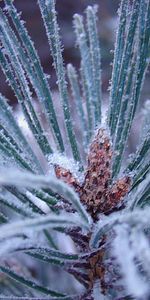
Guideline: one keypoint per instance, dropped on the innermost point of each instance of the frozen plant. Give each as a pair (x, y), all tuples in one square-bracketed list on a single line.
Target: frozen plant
[(86, 196)]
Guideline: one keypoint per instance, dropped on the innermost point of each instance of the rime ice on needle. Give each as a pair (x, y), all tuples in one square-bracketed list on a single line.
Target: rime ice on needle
[(96, 192)]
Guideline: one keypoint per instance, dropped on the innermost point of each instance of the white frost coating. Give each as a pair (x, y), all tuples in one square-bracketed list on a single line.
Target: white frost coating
[(9, 246), (32, 226), (136, 217), (125, 256), (26, 179), (137, 193), (16, 204), (22, 122), (39, 203), (67, 163), (97, 293), (141, 247), (65, 243)]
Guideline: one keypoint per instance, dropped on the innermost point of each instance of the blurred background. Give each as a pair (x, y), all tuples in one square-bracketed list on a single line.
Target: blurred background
[(107, 27), (107, 22)]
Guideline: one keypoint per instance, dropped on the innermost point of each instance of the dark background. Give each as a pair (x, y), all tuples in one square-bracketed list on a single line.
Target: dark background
[(107, 27), (107, 23)]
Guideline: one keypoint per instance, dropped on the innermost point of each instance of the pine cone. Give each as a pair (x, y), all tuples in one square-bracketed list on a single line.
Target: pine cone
[(96, 192)]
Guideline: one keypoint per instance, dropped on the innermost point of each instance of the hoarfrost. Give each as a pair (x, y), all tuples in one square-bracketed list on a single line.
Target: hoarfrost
[(106, 223), (15, 204), (39, 203), (15, 244), (137, 193), (22, 122), (67, 163), (125, 256), (141, 247)]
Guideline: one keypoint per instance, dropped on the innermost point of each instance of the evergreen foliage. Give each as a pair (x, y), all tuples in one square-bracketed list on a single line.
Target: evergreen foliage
[(85, 197)]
